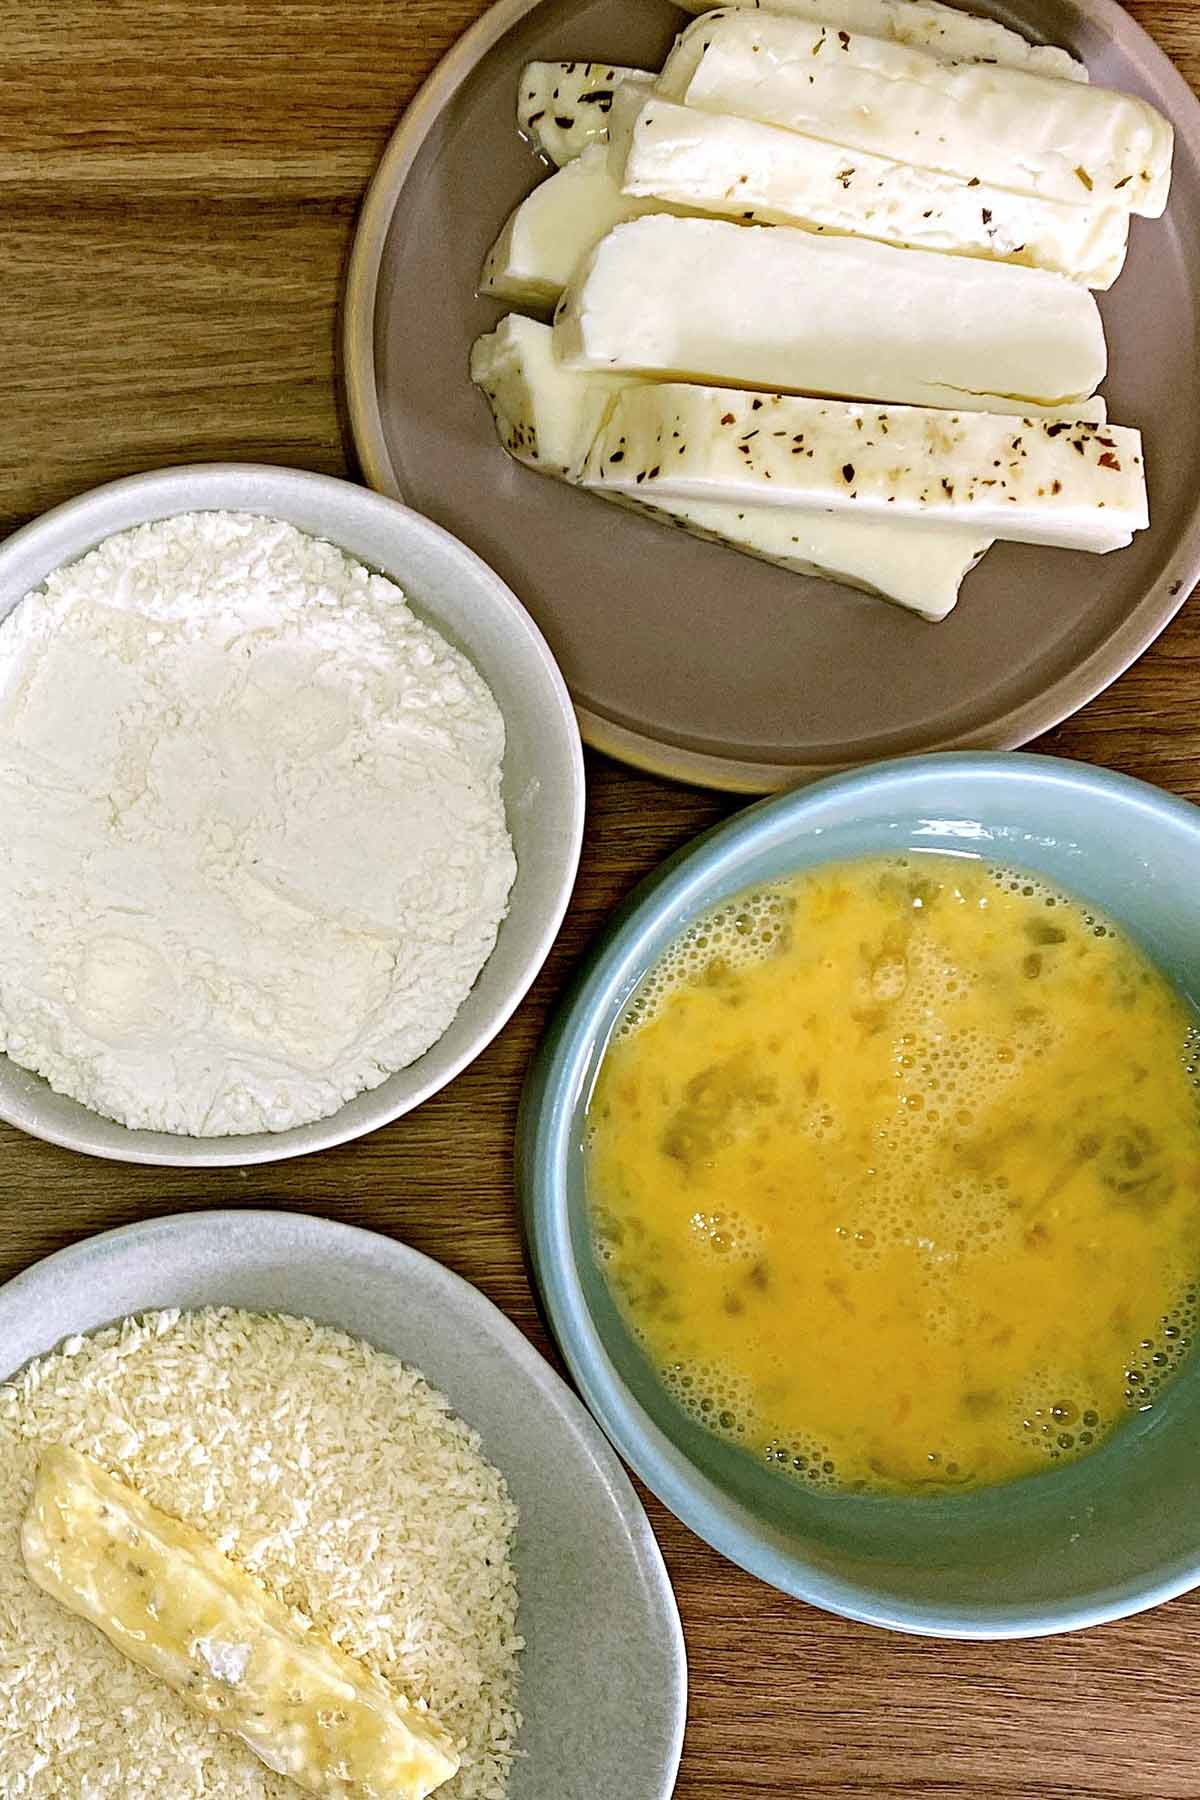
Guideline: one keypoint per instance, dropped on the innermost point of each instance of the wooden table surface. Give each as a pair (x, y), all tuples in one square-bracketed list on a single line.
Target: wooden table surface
[(178, 187)]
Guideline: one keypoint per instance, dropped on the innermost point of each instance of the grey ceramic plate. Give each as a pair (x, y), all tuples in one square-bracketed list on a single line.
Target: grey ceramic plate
[(693, 660), (543, 771), (604, 1677)]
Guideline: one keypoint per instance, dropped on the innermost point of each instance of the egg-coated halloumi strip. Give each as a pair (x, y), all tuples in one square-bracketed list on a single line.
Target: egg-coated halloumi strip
[(1063, 140), (1073, 485), (172, 1603), (562, 107), (772, 307), (944, 31), (749, 172)]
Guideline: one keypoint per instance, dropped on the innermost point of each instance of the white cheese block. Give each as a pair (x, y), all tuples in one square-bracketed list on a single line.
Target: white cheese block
[(1064, 140), (679, 70), (555, 228), (765, 306), (927, 25), (172, 1603), (718, 163), (1036, 481), (564, 106), (548, 417), (914, 568)]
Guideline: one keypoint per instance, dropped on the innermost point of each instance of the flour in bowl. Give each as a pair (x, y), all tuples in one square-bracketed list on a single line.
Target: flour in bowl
[(255, 846)]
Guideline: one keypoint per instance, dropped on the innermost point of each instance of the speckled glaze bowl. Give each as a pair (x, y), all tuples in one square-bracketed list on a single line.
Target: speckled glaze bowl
[(603, 1676), (454, 591), (1094, 1540)]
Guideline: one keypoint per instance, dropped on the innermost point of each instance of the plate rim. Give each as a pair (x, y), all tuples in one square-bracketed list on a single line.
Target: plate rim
[(1010, 729), (333, 1239)]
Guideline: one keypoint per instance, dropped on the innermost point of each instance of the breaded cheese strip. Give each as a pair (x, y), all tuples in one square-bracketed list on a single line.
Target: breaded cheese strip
[(785, 310), (1063, 140), (718, 163), (928, 25), (1073, 485), (171, 1602)]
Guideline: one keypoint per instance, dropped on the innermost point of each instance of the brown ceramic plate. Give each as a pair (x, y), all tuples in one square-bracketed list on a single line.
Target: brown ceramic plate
[(687, 658)]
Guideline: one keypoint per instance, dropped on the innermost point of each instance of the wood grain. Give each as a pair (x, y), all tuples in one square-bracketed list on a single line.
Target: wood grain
[(178, 185)]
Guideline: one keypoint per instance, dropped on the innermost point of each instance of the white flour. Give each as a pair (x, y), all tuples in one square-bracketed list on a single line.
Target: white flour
[(254, 847)]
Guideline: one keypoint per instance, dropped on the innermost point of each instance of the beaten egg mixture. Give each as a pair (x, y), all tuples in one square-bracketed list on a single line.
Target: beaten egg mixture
[(895, 1172)]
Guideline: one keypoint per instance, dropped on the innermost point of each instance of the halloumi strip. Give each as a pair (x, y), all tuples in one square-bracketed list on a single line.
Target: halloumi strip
[(764, 306), (555, 228), (927, 25), (1063, 140), (562, 107), (718, 163), (547, 417), (166, 1598), (1038, 481), (913, 569)]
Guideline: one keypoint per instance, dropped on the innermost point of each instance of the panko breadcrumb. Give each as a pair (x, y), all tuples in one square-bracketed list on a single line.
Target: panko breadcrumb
[(332, 1472)]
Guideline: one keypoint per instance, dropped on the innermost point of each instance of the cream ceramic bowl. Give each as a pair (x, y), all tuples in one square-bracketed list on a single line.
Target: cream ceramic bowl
[(543, 769)]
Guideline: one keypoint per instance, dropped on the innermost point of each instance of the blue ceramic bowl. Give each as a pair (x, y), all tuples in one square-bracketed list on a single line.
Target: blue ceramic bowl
[(1111, 1534)]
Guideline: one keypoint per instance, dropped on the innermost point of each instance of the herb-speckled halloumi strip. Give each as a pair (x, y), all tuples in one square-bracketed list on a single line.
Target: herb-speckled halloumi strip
[(1064, 140), (749, 172), (562, 107), (1074, 485), (548, 416), (944, 31), (172, 1603)]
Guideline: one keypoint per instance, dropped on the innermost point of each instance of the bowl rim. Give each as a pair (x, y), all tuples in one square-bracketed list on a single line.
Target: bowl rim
[(191, 487), (275, 1233), (554, 1091)]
